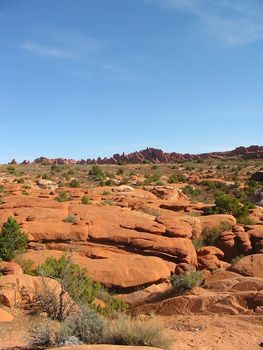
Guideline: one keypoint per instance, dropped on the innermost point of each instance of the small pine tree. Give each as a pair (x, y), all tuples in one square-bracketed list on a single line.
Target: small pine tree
[(12, 240)]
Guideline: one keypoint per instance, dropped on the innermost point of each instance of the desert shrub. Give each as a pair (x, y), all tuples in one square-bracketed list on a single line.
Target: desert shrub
[(74, 183), (20, 180), (72, 278), (85, 200), (197, 243), (227, 204), (12, 240), (63, 197), (109, 182), (11, 169), (110, 174), (25, 264), (96, 173), (186, 281), (209, 235), (120, 171), (55, 168), (72, 219), (86, 325), (2, 189), (108, 202), (113, 306), (42, 335), (45, 176), (176, 178), (54, 301), (190, 191), (106, 193), (125, 330), (151, 179), (215, 186)]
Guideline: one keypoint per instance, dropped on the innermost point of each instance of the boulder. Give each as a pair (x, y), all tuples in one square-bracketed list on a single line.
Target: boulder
[(118, 270), (251, 265), (208, 258), (214, 221), (47, 184), (10, 268), (20, 290)]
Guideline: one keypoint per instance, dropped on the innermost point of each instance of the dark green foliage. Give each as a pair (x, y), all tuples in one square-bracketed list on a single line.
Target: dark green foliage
[(187, 281), (120, 171), (46, 177), (151, 179), (209, 236), (63, 197), (55, 168), (12, 240), (214, 186), (191, 191), (74, 183), (227, 204), (176, 178), (85, 200), (79, 286), (74, 279), (2, 189), (11, 169), (96, 173)]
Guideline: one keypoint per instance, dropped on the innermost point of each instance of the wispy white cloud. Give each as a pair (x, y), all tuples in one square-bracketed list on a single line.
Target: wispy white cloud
[(231, 22), (63, 45), (85, 51), (50, 51)]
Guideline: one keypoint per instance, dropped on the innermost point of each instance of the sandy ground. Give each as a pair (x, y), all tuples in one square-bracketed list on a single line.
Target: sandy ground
[(196, 332), (216, 332)]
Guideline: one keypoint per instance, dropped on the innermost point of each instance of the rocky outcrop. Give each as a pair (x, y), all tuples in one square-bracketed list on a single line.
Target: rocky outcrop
[(251, 265), (20, 289), (154, 155), (222, 293)]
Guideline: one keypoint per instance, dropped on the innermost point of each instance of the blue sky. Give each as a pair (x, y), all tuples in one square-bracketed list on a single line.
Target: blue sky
[(87, 78)]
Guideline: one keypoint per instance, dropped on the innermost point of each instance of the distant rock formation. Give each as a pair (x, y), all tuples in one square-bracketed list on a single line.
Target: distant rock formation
[(157, 156)]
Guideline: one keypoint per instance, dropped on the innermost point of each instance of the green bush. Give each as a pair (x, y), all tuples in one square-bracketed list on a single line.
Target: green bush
[(46, 176), (75, 281), (85, 200), (12, 240), (190, 191), (11, 169), (72, 219), (209, 235), (74, 183), (176, 179), (96, 173), (86, 325), (126, 330), (151, 179), (120, 171), (2, 189), (72, 278), (186, 281), (63, 197), (227, 204), (25, 264)]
